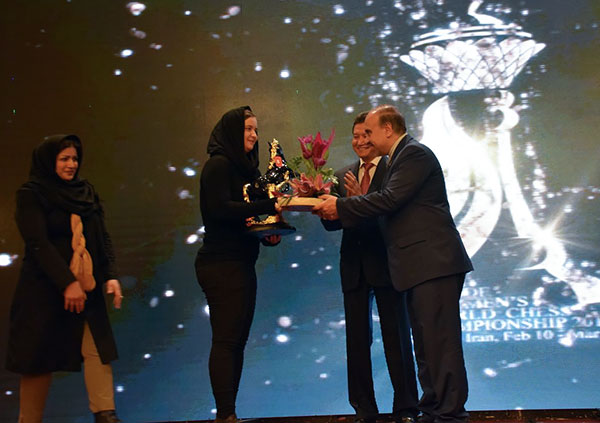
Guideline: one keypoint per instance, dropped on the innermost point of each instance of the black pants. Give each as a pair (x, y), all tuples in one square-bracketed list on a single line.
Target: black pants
[(434, 315), (230, 289), (397, 345)]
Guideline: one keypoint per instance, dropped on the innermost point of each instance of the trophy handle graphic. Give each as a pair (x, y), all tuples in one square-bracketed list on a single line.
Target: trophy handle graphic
[(477, 185), (472, 180), (556, 258)]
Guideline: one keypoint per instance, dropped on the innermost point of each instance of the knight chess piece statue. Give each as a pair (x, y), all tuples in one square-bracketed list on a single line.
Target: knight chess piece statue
[(276, 179)]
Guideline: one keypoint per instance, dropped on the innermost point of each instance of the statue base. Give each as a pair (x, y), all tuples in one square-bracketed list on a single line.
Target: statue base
[(268, 229), (304, 204)]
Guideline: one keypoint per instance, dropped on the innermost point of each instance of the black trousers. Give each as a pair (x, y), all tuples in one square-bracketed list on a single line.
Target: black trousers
[(395, 331), (434, 315), (230, 289)]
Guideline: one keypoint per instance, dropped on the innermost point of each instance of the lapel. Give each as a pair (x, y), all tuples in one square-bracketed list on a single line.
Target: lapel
[(354, 168), (392, 160), (399, 149)]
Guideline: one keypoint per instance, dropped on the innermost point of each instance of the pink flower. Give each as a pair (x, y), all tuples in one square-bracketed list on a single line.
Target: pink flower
[(316, 180), (309, 187), (303, 187), (320, 187), (306, 145), (319, 149)]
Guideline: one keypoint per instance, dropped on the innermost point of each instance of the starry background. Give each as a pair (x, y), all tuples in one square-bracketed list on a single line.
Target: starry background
[(143, 88)]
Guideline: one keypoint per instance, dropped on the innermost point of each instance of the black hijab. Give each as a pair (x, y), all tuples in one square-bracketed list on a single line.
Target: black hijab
[(227, 139), (74, 196)]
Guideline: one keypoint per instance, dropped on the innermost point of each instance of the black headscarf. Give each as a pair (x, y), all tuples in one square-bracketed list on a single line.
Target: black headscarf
[(227, 138), (75, 196)]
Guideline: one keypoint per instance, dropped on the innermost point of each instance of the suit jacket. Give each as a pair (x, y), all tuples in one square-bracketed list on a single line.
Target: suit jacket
[(420, 235), (362, 245)]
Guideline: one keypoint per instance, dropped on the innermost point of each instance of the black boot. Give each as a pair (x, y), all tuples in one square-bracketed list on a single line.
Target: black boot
[(106, 416)]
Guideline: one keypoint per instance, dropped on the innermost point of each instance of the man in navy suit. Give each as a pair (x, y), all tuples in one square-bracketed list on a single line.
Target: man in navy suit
[(426, 258), (364, 274)]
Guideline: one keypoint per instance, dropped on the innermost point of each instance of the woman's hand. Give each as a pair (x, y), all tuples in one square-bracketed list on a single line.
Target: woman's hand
[(74, 297), (278, 207), (114, 287), (351, 184), (273, 239)]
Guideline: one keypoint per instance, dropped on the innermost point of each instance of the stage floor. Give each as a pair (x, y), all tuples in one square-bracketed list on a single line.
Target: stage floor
[(507, 416)]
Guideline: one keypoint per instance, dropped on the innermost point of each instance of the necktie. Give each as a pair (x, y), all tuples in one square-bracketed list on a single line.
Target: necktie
[(366, 179)]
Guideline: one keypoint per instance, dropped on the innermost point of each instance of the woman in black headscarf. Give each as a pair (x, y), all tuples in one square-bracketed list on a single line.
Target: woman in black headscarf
[(225, 262), (58, 316)]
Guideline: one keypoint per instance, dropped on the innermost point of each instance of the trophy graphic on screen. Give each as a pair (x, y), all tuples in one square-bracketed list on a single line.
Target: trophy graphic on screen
[(487, 57), (275, 180)]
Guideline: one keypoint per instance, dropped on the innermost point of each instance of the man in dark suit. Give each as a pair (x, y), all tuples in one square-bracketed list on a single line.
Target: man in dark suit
[(364, 273), (426, 258)]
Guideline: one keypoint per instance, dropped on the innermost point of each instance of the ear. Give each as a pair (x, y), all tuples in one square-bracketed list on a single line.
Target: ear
[(388, 130)]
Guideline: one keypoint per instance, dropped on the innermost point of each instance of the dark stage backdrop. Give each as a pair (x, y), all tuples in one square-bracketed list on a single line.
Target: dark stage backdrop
[(143, 84)]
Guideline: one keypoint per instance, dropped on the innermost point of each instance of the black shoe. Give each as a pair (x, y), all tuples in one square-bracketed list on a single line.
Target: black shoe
[(106, 416), (425, 418), (407, 415)]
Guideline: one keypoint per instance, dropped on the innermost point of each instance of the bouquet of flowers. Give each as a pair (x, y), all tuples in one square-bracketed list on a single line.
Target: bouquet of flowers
[(314, 179)]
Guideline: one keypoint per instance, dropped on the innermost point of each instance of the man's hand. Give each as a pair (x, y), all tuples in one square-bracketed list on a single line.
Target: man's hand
[(351, 184), (114, 287), (327, 209), (74, 297)]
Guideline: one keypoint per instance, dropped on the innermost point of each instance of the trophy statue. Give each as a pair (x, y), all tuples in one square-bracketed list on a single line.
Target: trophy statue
[(275, 180)]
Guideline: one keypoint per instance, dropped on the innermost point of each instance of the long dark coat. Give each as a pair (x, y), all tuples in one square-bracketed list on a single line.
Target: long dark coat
[(44, 337)]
